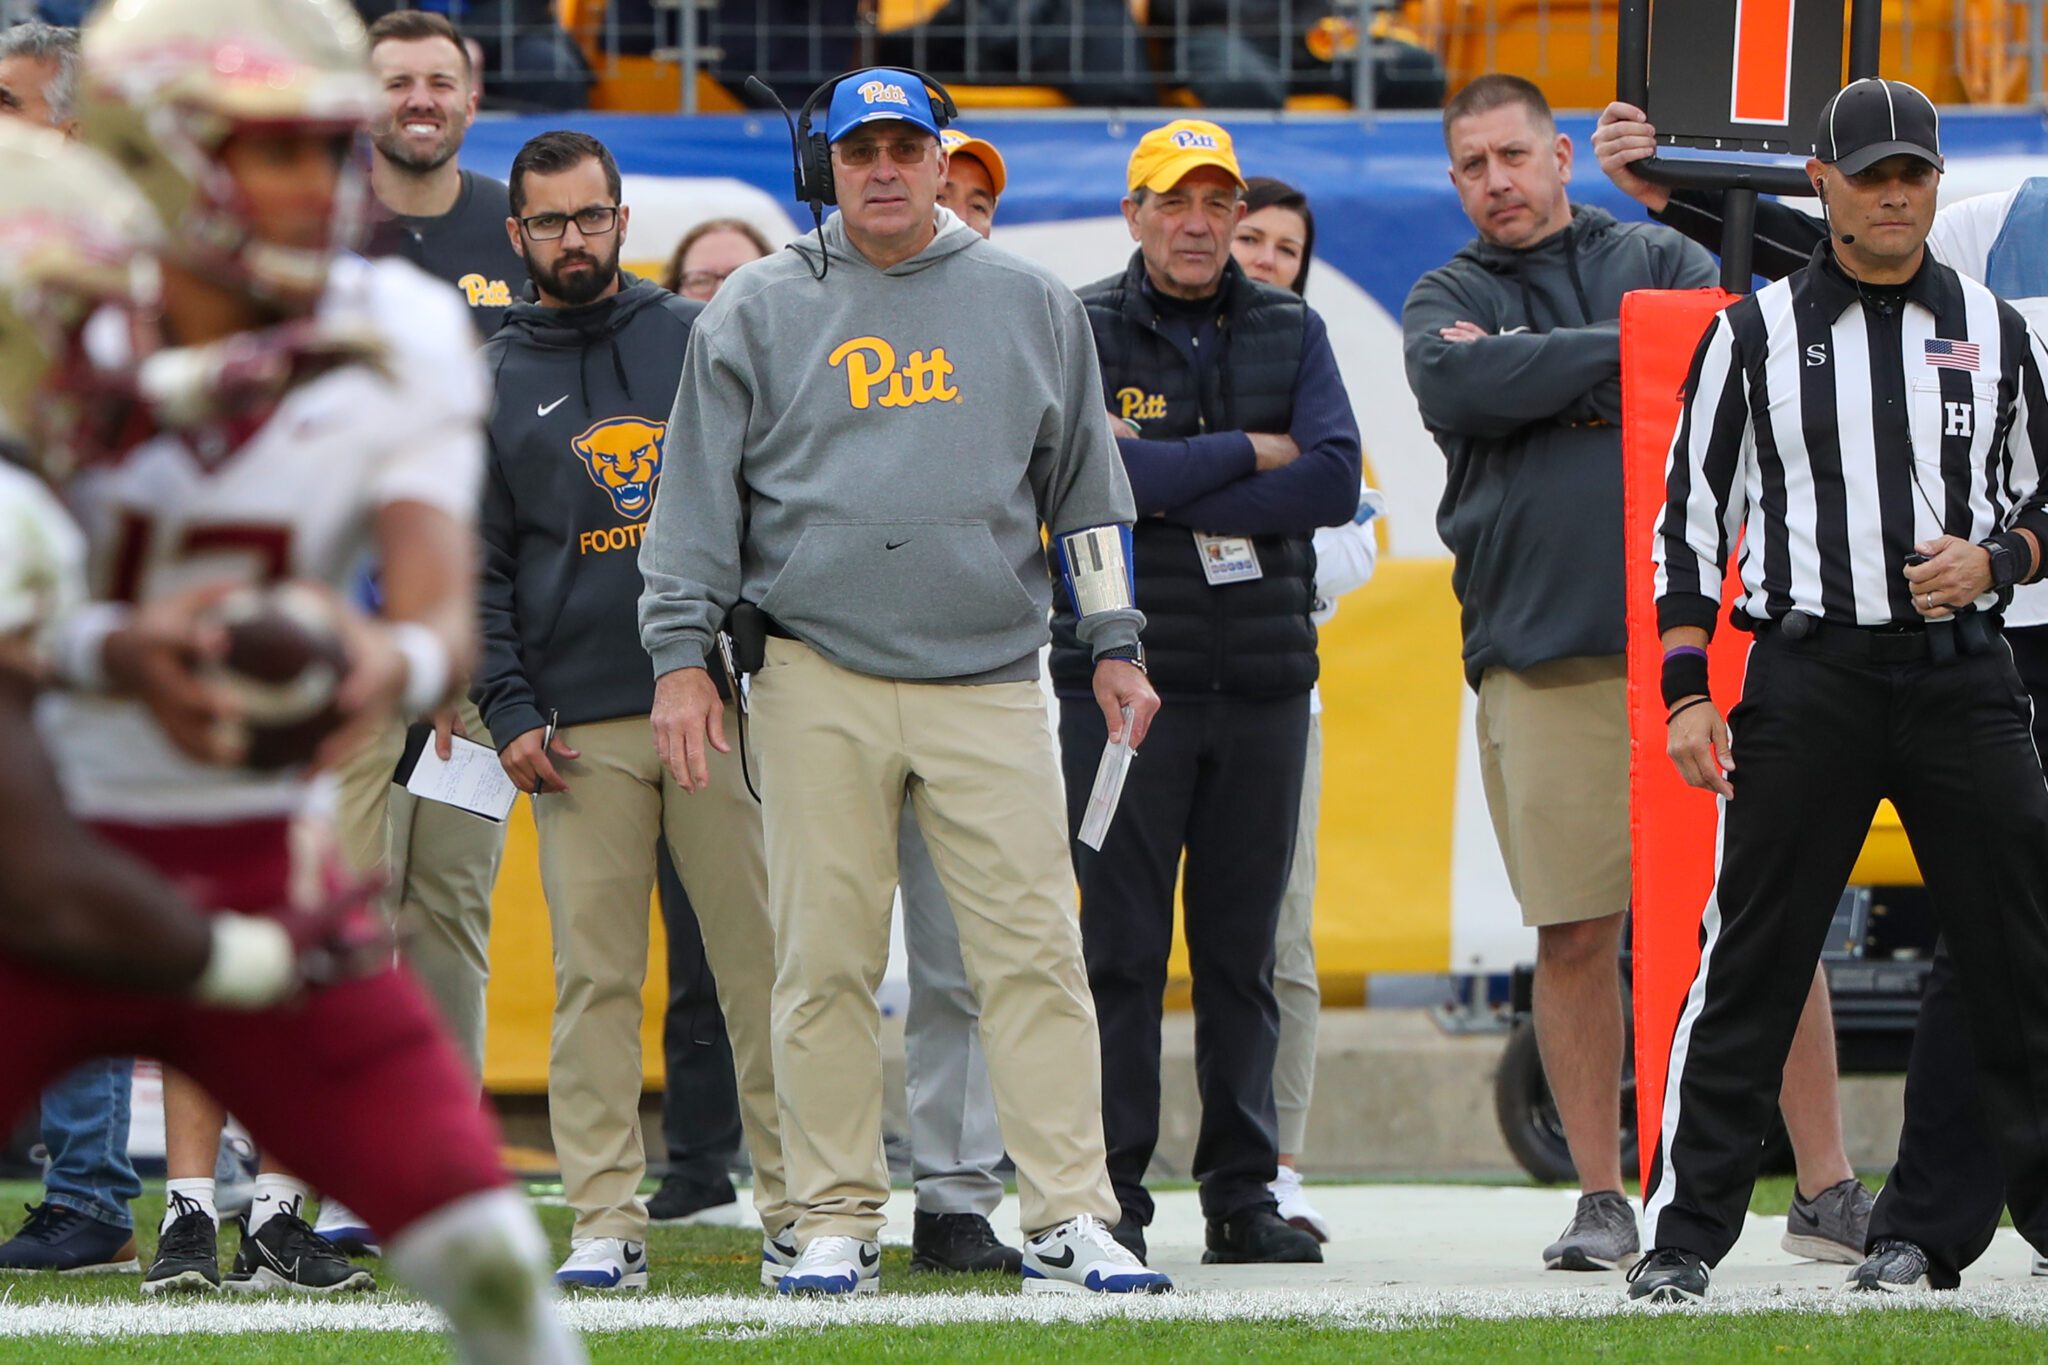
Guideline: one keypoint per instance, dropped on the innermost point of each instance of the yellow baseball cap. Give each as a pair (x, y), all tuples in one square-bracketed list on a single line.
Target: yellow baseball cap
[(981, 149), (1164, 156)]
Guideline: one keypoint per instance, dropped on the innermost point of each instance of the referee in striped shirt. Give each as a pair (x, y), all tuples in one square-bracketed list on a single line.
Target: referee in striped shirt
[(1874, 427)]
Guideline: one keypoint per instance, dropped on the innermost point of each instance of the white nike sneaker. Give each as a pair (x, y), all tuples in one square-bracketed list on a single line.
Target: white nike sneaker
[(604, 1263), (778, 1254), (1295, 1210), (344, 1227), (833, 1265), (1080, 1256)]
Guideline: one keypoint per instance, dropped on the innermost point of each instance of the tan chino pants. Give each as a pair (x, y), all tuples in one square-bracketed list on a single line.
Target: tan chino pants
[(443, 865), (597, 870), (840, 752)]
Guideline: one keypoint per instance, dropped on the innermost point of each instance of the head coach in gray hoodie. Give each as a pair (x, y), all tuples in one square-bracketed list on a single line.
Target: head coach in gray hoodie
[(884, 420), (579, 441)]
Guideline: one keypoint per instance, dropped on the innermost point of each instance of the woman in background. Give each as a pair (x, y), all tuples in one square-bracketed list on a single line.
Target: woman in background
[(708, 253), (1275, 244)]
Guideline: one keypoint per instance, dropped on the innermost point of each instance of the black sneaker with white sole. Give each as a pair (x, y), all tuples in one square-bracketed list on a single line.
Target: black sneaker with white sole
[(1668, 1275), (685, 1199), (960, 1244), (1894, 1266), (1258, 1236), (285, 1253), (187, 1254)]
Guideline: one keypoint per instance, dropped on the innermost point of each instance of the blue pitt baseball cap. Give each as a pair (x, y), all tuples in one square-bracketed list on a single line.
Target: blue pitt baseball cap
[(880, 93)]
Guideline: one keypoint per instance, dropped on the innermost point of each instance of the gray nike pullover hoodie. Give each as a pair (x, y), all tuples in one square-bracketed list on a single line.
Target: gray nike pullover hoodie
[(872, 456)]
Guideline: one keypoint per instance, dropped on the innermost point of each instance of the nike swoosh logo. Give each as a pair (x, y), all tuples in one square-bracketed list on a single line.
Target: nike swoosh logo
[(1060, 1262), (897, 544), (289, 1269), (869, 1255), (547, 408)]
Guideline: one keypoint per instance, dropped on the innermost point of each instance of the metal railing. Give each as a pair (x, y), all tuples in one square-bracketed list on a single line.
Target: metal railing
[(1220, 53)]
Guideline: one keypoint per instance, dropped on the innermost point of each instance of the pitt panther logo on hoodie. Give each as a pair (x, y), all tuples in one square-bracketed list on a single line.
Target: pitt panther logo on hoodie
[(872, 378), (623, 457)]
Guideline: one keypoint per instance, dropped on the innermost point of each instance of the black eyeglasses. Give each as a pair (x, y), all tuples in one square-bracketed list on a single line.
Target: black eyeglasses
[(591, 222)]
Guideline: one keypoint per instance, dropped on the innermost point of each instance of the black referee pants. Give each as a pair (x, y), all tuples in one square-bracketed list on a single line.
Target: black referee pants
[(1821, 735), (1947, 1186), (1219, 783)]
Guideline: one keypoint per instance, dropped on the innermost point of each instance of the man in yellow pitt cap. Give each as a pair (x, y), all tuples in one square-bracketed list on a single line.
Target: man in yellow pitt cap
[(1239, 441), (975, 179)]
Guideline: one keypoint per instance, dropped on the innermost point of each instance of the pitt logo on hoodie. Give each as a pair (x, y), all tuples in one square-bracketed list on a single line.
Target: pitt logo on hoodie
[(872, 378), (623, 457)]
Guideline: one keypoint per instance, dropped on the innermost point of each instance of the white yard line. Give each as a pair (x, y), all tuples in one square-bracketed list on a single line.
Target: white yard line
[(767, 1316)]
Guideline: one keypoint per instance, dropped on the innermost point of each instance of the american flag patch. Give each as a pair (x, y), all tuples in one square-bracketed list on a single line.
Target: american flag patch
[(1944, 354)]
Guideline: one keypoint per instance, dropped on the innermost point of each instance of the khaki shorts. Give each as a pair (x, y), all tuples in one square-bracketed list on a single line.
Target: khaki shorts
[(1553, 752)]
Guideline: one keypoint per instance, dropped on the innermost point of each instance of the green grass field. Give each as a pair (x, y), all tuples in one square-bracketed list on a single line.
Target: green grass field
[(724, 1262)]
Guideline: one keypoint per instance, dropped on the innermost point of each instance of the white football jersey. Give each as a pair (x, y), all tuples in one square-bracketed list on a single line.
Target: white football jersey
[(42, 556), (296, 499)]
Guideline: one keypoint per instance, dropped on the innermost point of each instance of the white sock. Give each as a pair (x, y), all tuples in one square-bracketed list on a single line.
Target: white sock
[(277, 1194), (184, 1196), (483, 1261)]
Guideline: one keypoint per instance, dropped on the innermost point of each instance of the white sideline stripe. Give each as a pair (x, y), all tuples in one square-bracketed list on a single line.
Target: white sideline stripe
[(748, 1317)]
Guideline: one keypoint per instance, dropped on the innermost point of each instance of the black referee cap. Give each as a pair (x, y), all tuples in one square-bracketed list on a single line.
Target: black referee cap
[(1871, 119)]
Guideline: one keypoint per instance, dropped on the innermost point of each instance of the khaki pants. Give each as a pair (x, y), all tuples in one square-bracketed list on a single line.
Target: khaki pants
[(597, 869), (839, 753), (443, 863), (1553, 757)]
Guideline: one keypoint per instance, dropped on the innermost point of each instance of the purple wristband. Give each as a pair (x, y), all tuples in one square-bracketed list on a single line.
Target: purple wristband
[(1677, 650)]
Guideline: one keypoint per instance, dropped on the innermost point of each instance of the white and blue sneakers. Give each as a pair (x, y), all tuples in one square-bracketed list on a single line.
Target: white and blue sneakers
[(778, 1254), (832, 1265), (1080, 1256), (607, 1263)]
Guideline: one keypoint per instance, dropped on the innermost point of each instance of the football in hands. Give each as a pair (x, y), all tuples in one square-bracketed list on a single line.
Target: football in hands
[(283, 661)]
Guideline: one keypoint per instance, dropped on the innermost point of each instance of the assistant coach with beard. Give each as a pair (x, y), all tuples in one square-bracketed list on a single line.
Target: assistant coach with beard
[(578, 437)]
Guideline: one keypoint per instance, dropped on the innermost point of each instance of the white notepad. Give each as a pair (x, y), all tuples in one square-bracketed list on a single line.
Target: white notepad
[(470, 779), (1109, 788)]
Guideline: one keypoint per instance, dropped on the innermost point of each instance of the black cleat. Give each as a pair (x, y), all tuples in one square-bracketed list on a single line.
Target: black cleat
[(187, 1255), (1258, 1236), (285, 1253), (1668, 1275), (682, 1199), (1130, 1235), (960, 1244)]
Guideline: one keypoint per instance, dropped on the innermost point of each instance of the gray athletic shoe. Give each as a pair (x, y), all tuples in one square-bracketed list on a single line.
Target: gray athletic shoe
[(1602, 1236), (1833, 1226), (1895, 1266)]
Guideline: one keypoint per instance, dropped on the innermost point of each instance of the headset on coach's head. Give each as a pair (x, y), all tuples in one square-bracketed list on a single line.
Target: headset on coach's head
[(813, 151)]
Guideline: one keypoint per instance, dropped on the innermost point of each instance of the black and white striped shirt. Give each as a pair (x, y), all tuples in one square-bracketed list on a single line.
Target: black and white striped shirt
[(1833, 430)]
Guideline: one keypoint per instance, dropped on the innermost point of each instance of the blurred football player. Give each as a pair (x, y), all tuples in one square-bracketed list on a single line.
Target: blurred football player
[(235, 118)]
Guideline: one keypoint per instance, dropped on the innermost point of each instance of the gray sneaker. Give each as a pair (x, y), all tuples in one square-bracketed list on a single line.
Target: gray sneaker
[(1895, 1266), (1833, 1226), (1602, 1236)]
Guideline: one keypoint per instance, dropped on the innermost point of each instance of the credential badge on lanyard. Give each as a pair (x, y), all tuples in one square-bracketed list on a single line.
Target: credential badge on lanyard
[(1227, 559)]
